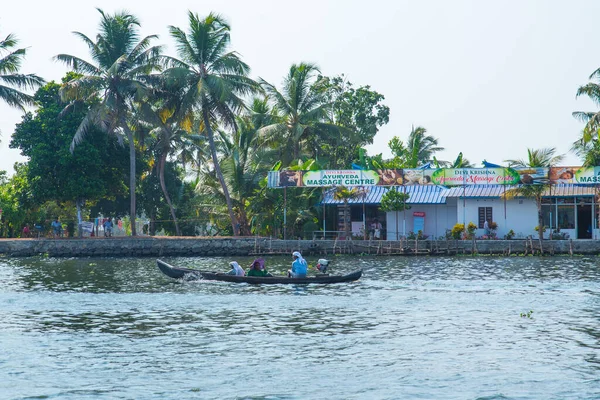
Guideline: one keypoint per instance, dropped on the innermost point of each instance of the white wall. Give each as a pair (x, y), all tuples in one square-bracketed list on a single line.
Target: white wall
[(438, 218), (521, 215)]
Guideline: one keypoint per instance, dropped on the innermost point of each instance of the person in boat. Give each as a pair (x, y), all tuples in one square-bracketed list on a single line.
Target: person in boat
[(299, 266), (322, 265), (236, 269), (258, 268)]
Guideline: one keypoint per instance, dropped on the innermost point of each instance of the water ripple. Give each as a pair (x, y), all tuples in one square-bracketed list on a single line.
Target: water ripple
[(451, 328)]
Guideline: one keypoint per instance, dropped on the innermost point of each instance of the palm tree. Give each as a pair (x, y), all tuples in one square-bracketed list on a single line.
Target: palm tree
[(536, 158), (118, 79), (10, 63), (302, 109), (591, 131), (420, 147), (166, 130), (215, 80)]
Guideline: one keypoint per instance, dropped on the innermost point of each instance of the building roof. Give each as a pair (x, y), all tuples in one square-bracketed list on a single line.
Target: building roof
[(433, 194), (425, 194), (567, 190)]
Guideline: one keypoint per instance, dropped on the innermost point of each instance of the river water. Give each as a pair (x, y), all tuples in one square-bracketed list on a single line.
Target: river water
[(411, 328)]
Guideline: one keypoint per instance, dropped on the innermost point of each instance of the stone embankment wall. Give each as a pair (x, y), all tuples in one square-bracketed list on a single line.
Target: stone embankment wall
[(159, 247), (144, 246)]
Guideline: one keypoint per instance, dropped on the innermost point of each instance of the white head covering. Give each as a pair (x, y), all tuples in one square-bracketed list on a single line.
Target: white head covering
[(239, 271), (297, 254)]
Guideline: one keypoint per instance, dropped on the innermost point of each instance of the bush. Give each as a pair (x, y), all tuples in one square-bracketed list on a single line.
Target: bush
[(457, 231), (509, 235), (493, 226), (471, 228)]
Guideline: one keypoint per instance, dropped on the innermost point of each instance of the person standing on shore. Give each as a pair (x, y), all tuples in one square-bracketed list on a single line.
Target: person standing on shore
[(107, 227), (486, 228), (56, 228)]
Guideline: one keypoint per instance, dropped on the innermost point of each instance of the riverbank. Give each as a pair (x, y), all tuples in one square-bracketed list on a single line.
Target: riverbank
[(226, 246)]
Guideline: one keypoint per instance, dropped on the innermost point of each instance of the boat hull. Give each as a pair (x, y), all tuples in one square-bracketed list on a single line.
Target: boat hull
[(192, 274)]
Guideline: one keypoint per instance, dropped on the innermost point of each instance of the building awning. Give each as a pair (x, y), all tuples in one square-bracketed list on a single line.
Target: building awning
[(425, 194), (569, 190)]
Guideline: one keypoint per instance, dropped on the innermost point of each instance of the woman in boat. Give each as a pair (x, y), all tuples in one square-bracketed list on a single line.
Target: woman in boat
[(258, 268), (236, 269), (299, 266)]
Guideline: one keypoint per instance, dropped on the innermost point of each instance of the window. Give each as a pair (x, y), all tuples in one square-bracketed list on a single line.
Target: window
[(485, 214), (566, 217), (549, 215)]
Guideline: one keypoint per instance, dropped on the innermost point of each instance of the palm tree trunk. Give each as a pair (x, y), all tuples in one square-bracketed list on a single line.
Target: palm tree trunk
[(213, 152), (161, 178), (131, 179)]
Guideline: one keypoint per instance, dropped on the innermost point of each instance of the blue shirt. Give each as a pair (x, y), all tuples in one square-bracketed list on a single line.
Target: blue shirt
[(298, 267)]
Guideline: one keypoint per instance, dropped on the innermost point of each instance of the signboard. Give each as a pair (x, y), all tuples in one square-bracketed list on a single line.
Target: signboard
[(419, 214), (580, 175), (441, 176), (350, 177)]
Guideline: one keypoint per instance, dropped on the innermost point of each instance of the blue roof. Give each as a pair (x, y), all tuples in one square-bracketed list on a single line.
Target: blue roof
[(565, 190), (433, 194), (418, 194)]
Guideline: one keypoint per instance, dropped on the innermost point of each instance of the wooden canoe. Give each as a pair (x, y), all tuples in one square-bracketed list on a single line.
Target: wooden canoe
[(193, 274)]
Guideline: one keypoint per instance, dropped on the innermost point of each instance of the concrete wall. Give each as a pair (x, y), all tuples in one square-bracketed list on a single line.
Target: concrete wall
[(158, 247)]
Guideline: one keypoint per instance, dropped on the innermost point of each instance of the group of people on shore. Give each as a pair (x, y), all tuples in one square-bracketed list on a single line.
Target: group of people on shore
[(299, 267)]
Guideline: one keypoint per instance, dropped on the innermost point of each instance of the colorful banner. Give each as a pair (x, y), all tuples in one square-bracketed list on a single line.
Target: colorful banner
[(580, 175), (350, 177), (442, 176), (465, 176)]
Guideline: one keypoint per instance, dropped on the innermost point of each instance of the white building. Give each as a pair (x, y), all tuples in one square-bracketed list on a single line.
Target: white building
[(570, 209)]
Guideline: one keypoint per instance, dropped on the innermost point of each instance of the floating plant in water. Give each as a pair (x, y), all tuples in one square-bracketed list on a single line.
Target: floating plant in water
[(527, 314)]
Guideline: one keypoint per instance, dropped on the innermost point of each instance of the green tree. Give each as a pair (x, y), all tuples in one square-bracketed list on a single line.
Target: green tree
[(215, 80), (169, 127), (591, 131), (152, 194), (420, 148), (118, 79), (536, 158), (303, 112), (587, 149), (10, 79), (359, 110), (394, 200), (94, 170)]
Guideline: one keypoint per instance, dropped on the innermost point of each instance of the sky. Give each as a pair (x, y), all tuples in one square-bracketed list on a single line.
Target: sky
[(490, 79)]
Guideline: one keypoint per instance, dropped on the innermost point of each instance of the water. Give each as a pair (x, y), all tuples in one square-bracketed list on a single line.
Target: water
[(417, 328)]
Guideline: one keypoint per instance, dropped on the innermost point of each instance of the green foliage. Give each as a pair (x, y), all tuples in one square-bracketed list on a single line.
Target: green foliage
[(359, 111), (10, 63), (457, 231), (420, 148), (96, 169), (416, 236), (215, 80), (471, 228), (394, 200), (509, 235), (111, 84), (528, 314)]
